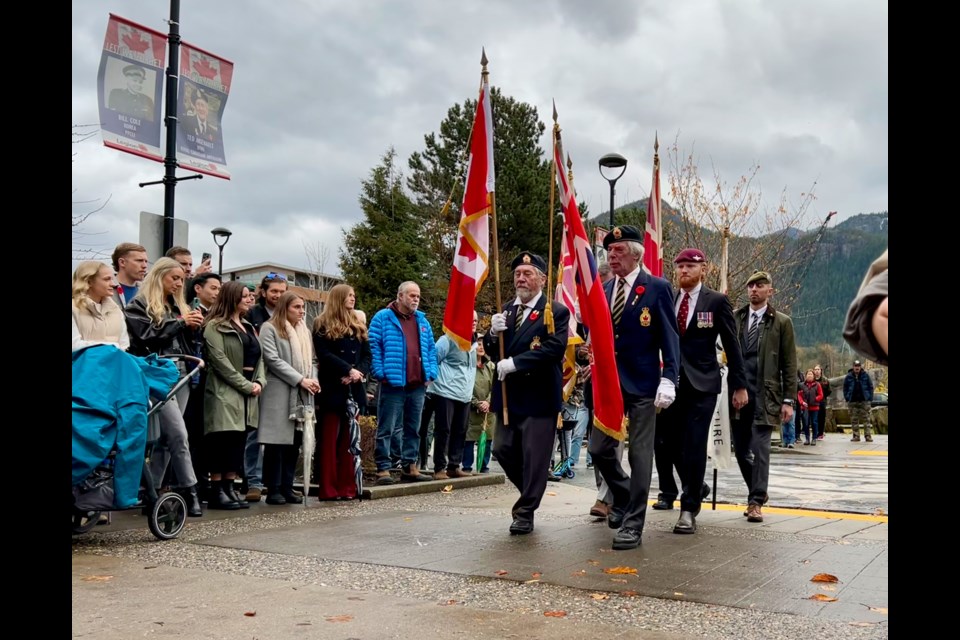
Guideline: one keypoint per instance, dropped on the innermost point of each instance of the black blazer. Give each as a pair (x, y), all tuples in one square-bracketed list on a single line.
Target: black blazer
[(535, 389), (712, 316), (335, 358)]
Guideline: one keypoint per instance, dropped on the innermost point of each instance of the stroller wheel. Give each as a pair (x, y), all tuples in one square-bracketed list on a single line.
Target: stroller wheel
[(168, 516), (570, 473), (83, 521)]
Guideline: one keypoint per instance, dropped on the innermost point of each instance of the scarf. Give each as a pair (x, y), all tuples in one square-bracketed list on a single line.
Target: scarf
[(301, 347)]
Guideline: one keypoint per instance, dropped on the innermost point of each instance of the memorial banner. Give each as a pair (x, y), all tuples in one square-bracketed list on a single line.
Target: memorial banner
[(204, 86)]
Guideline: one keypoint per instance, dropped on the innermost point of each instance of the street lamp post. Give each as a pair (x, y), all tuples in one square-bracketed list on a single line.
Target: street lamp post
[(613, 161), (218, 233)]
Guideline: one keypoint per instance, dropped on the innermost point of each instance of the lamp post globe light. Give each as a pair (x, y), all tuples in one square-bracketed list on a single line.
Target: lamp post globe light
[(612, 161), (218, 234)]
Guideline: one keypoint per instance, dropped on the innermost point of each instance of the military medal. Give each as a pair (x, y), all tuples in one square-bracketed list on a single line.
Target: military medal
[(704, 319), (536, 343), (645, 317)]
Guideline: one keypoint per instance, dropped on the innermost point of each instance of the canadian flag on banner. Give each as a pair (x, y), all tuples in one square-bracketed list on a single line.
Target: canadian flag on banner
[(653, 233), (470, 260)]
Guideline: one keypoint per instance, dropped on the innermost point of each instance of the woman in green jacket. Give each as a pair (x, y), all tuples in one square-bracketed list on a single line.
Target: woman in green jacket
[(235, 378)]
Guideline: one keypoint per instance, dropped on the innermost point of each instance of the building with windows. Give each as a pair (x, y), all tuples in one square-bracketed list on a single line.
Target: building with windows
[(310, 285)]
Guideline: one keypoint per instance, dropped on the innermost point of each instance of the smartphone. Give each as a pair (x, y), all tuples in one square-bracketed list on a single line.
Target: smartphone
[(206, 256)]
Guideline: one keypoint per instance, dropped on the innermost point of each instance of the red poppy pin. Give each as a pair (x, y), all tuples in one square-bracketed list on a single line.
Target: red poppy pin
[(534, 315), (640, 289)]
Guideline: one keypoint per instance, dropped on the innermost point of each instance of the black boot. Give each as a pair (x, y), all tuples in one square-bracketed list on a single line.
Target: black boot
[(193, 501), (228, 488), (220, 500)]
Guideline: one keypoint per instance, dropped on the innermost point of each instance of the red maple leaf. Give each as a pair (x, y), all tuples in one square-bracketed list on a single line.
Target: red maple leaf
[(204, 69), (134, 42)]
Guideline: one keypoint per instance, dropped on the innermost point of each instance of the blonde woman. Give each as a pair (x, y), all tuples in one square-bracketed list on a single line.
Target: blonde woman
[(235, 379), (343, 359), (160, 322), (287, 401), (97, 319)]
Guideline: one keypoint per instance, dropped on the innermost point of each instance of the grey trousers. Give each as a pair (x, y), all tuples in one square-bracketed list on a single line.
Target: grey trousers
[(173, 445)]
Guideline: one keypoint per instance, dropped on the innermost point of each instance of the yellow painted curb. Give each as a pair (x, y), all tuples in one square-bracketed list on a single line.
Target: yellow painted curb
[(868, 452)]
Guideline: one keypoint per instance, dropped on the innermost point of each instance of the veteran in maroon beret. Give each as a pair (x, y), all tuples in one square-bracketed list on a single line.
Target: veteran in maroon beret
[(684, 427)]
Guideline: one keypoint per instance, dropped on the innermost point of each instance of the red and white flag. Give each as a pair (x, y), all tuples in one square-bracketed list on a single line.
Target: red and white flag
[(594, 310), (653, 233), (567, 296), (470, 260)]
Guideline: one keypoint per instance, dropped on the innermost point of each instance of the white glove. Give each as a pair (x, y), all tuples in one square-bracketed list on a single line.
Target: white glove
[(576, 311), (498, 323), (666, 394), (505, 368)]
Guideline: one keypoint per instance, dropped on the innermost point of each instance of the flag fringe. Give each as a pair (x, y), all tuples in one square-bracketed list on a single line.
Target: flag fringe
[(619, 436), (463, 344)]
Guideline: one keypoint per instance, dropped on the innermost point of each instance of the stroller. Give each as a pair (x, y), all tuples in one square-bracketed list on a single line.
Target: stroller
[(95, 494), (564, 467)]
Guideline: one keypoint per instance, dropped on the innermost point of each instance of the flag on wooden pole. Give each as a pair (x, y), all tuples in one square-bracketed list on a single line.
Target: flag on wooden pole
[(470, 260), (567, 296), (653, 232), (594, 309)]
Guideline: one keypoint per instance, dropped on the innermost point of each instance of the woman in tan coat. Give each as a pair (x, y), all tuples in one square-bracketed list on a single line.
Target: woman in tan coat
[(97, 319), (235, 379)]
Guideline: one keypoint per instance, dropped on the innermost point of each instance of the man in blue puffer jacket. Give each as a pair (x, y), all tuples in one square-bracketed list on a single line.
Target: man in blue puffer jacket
[(404, 362)]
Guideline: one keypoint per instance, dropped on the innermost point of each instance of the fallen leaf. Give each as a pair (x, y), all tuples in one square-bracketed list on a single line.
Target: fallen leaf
[(880, 512), (555, 614), (599, 596), (500, 572), (595, 563), (582, 572), (619, 580), (448, 603), (341, 618), (620, 570), (532, 581), (629, 594), (882, 610), (250, 613), (677, 593), (822, 598), (824, 577), (407, 519), (827, 587), (96, 578), (536, 574), (551, 493), (447, 489)]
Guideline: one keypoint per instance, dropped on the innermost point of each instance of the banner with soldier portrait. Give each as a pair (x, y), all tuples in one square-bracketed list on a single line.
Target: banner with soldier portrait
[(204, 85), (129, 88)]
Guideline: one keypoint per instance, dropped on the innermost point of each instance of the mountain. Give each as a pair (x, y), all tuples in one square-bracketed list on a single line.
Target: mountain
[(819, 279)]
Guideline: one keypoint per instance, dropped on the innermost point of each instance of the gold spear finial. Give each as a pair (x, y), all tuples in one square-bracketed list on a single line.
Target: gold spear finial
[(483, 58), (569, 168), (554, 112), (656, 142)]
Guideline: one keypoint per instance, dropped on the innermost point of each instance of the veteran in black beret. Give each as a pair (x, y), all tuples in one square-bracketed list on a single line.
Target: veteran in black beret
[(531, 369), (683, 429), (644, 331), (132, 100)]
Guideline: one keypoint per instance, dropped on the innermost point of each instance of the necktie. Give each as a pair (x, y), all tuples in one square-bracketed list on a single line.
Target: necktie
[(619, 301), (519, 322), (683, 313), (754, 331)]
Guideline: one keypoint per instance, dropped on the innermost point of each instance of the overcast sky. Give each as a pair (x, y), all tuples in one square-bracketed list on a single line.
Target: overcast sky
[(321, 88)]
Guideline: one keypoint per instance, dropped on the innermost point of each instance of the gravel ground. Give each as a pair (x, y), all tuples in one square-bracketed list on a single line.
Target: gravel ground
[(690, 619)]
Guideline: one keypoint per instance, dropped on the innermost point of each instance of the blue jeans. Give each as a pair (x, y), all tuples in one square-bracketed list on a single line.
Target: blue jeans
[(399, 409), (469, 450), (579, 431), (810, 428), (253, 461), (787, 430)]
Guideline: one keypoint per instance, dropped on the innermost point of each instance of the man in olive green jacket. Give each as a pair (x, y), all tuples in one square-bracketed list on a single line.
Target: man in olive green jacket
[(770, 357)]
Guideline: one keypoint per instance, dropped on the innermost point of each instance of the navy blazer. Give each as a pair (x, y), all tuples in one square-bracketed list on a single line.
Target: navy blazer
[(535, 389), (712, 316), (647, 332)]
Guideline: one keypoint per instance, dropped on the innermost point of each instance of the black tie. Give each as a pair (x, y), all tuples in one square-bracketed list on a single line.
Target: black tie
[(619, 301), (754, 332)]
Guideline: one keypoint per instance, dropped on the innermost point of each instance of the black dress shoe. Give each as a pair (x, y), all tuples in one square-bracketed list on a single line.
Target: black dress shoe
[(232, 494), (662, 504), (292, 499), (521, 527), (615, 518), (687, 523), (704, 492), (626, 538), (222, 501)]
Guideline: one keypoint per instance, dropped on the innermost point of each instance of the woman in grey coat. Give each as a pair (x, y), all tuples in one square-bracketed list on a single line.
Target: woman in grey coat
[(286, 404)]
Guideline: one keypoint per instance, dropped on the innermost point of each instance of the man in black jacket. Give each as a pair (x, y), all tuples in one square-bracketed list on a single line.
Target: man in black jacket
[(532, 368), (684, 427)]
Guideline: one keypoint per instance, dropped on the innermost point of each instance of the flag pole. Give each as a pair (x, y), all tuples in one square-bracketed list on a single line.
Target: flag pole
[(496, 256), (548, 309)]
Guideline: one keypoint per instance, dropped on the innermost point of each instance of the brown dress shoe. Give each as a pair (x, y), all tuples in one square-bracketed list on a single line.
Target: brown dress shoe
[(412, 474), (600, 509), (456, 473), (754, 514), (440, 475)]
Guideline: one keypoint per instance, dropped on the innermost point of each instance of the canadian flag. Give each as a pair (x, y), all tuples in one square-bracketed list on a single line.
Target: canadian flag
[(470, 260), (653, 233)]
